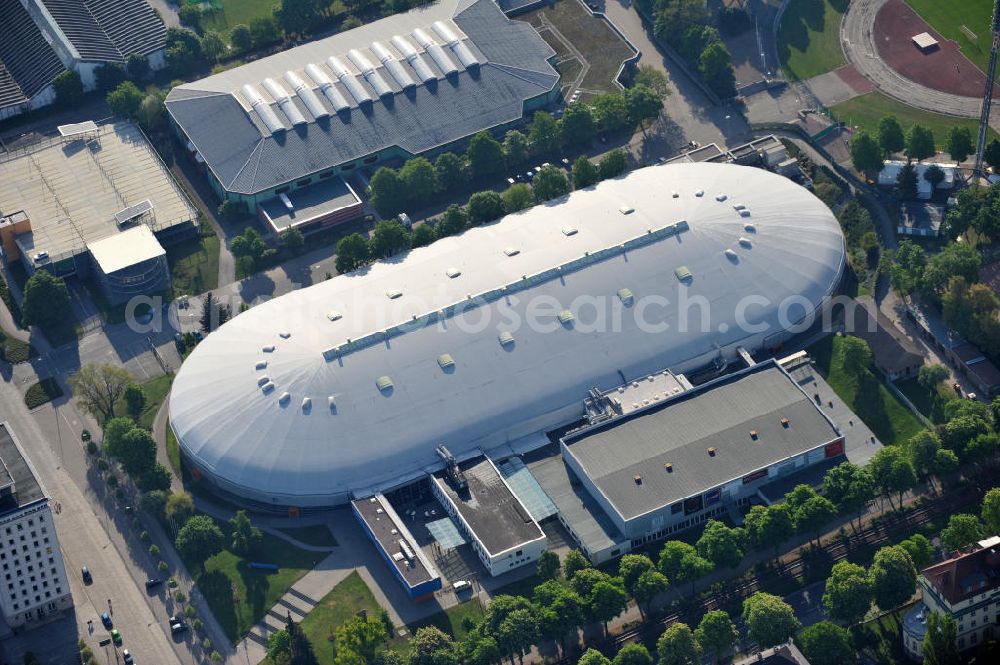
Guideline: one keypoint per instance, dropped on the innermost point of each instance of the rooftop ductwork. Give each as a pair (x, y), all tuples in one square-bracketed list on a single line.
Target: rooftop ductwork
[(457, 46), (349, 81), (262, 109), (307, 95), (420, 66), (285, 103), (440, 58), (367, 70), (393, 65), (326, 86)]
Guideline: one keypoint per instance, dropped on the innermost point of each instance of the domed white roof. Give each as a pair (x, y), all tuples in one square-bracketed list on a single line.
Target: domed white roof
[(353, 382)]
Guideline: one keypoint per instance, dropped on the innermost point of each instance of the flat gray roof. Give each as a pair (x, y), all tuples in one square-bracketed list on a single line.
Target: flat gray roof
[(489, 507), (388, 529), (72, 188), (317, 200), (680, 431), (27, 489)]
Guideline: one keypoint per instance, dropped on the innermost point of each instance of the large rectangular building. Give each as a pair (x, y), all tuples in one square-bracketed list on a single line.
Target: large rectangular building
[(409, 84), (685, 457), (34, 584)]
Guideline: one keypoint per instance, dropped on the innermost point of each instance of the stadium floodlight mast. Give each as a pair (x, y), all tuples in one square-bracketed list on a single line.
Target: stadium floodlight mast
[(984, 115)]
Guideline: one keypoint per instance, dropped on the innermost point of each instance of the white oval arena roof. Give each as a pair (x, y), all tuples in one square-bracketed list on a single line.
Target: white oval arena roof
[(351, 383)]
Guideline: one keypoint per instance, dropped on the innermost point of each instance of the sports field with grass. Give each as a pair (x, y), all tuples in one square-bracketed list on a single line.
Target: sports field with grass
[(865, 111), (948, 17), (809, 38)]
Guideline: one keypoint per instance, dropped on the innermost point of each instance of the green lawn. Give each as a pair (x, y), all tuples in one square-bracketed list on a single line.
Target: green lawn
[(317, 535), (44, 391), (450, 621), (194, 265), (865, 112), (932, 406), (885, 415), (173, 451), (156, 390), (948, 17), (809, 37), (238, 595), (235, 12)]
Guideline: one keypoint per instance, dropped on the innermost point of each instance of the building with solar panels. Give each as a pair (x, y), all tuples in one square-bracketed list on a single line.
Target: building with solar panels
[(40, 39), (411, 84)]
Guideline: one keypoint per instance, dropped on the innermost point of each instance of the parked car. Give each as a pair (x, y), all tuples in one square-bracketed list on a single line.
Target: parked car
[(153, 582), (85, 574), (85, 435), (461, 585), (178, 627), (106, 620), (127, 657), (405, 220), (116, 637)]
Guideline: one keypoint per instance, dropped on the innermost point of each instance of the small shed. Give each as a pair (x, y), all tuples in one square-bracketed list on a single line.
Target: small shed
[(925, 42)]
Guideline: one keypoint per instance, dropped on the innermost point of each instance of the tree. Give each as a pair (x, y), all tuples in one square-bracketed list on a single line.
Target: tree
[(919, 142), (361, 634), (209, 319), (560, 611), (593, 657), (199, 539), (769, 526), (585, 173), (923, 448), (850, 487), (249, 243), (856, 356), (264, 31), (422, 236), (543, 134), (297, 16), (419, 178), (962, 530), (389, 237), (453, 221), (654, 79), (959, 143), (152, 111), (515, 148), (642, 104), (956, 259), (606, 601), (613, 164), (934, 175), (279, 645), (941, 640), (930, 376), (154, 503), (920, 550), (721, 545), (848, 594), (991, 154), (212, 46), (240, 38), (179, 508), (46, 302), (866, 155), (450, 171), (991, 511), (485, 207), (548, 566), (631, 567), (550, 183), (69, 89), (115, 430), (770, 620), (137, 66), (352, 253), (610, 112), (825, 643), (633, 653), (292, 239), (518, 631), (573, 563), (717, 633), (649, 585), (135, 399), (678, 646), (716, 68), (892, 472), (137, 452), (518, 197), (245, 535), (894, 577), (99, 387), (156, 479), (388, 191), (813, 515), (485, 155), (578, 124), (109, 76), (681, 563), (890, 135), (584, 581), (906, 182)]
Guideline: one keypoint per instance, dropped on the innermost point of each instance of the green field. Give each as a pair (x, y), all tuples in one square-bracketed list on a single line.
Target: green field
[(809, 38), (865, 111), (234, 12), (948, 17), (885, 415), (931, 405), (239, 595), (194, 265)]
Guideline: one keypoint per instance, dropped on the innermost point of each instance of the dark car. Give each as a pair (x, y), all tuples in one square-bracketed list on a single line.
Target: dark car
[(85, 574), (85, 435), (116, 637), (153, 582), (127, 658), (178, 627), (106, 620)]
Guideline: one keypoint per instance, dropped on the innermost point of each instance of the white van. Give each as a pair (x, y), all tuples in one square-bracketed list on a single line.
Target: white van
[(460, 586)]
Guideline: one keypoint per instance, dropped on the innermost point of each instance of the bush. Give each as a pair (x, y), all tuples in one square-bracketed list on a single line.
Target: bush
[(144, 536), (42, 392), (216, 657), (179, 596), (190, 612), (111, 480), (91, 448), (154, 550), (206, 644), (162, 567), (198, 625)]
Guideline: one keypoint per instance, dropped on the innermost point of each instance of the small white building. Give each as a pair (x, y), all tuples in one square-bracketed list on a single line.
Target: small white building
[(34, 584), (889, 176)]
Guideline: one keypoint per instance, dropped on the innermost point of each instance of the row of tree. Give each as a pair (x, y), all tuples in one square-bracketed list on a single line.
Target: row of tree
[(869, 149), (419, 182), (389, 237)]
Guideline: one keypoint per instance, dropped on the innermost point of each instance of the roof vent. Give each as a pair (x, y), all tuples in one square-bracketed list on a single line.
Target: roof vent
[(745, 242), (565, 317), (569, 230), (744, 213), (700, 193), (731, 255), (669, 467), (505, 338), (383, 383), (284, 334), (721, 197), (683, 273), (511, 251), (445, 361), (331, 400), (674, 194), (307, 404), (453, 272), (711, 452), (285, 396), (261, 364), (625, 295), (626, 209), (392, 294), (739, 206), (750, 228), (267, 387), (784, 423), (754, 435), (637, 479), (268, 349), (261, 380), (334, 315)]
